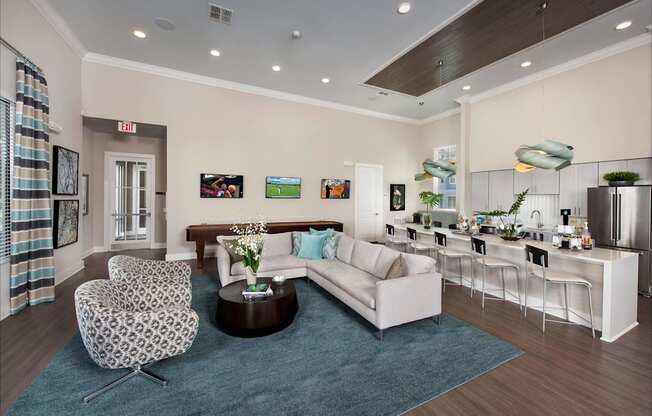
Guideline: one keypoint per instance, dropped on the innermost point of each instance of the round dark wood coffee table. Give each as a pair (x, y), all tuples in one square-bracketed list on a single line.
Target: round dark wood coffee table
[(255, 318)]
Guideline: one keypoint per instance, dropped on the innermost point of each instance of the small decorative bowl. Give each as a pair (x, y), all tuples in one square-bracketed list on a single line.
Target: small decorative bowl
[(278, 279)]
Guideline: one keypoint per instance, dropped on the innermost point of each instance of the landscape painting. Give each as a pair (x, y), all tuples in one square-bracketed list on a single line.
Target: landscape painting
[(66, 222), (65, 171), (397, 197), (335, 188), (282, 187), (213, 185)]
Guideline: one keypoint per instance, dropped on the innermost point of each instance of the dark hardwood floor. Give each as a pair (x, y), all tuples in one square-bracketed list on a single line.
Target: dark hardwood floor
[(565, 372)]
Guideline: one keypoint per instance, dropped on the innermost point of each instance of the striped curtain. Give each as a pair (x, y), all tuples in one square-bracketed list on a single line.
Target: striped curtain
[(32, 257)]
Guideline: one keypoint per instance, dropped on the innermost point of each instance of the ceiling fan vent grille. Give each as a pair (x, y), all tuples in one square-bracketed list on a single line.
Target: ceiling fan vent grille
[(220, 14)]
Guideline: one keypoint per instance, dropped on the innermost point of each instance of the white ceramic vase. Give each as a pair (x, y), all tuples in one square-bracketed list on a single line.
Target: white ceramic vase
[(251, 276)]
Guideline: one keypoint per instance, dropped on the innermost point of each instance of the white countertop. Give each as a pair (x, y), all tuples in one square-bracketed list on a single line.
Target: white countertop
[(596, 255)]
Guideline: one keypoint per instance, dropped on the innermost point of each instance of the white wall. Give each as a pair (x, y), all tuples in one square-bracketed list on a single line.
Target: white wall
[(214, 130), (27, 30), (603, 109), (444, 131)]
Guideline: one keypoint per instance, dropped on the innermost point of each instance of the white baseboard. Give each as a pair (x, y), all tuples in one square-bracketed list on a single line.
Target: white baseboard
[(62, 275), (93, 250), (159, 245), (621, 333)]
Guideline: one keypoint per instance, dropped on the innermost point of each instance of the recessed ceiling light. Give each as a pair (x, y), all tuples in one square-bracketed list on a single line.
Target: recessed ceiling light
[(215, 52), (276, 68), (466, 87), (140, 34), (325, 80), (404, 8), (526, 64), (623, 25)]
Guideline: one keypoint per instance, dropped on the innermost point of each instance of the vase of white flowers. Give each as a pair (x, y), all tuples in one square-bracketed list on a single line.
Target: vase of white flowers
[(249, 245)]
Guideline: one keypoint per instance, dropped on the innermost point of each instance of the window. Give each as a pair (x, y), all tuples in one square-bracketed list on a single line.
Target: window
[(6, 168), (447, 186)]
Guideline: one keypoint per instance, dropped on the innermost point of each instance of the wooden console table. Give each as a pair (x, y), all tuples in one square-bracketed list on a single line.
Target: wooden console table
[(202, 233)]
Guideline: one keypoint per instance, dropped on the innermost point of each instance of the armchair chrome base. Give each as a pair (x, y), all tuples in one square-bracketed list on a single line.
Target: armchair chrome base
[(136, 371)]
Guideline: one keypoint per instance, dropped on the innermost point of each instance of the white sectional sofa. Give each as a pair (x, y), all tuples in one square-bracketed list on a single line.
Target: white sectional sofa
[(386, 287)]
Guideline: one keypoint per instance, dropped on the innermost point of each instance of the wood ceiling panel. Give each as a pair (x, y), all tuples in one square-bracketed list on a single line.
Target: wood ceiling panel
[(489, 32)]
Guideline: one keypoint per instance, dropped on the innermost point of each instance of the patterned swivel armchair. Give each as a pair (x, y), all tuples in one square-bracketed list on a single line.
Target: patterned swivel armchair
[(126, 268), (134, 324)]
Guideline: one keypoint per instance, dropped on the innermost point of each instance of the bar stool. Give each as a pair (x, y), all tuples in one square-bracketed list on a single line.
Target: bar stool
[(393, 239), (415, 244), (442, 250), (479, 248), (539, 257)]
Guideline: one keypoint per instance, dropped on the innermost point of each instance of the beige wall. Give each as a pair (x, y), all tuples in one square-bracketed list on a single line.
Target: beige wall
[(603, 109), (95, 145), (220, 131), (441, 132), (23, 26)]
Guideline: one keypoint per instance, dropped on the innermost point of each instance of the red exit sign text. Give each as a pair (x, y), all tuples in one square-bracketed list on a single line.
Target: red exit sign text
[(127, 127)]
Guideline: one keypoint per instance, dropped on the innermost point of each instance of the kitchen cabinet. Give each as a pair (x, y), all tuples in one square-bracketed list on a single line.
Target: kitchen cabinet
[(501, 189), (610, 166), (574, 181), (538, 181), (641, 166), (480, 191)]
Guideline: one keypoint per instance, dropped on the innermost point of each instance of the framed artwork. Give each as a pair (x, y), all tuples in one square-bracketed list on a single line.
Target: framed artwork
[(84, 197), (66, 222), (65, 172), (215, 185), (335, 188), (281, 187), (397, 197)]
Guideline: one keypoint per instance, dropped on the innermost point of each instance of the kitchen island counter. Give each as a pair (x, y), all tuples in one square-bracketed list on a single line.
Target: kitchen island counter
[(612, 273)]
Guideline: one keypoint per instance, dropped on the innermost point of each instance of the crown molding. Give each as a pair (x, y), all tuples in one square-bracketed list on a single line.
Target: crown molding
[(440, 116), (592, 57), (59, 25), (236, 86)]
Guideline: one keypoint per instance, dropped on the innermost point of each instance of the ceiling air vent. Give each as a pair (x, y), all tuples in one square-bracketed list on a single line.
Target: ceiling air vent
[(220, 14)]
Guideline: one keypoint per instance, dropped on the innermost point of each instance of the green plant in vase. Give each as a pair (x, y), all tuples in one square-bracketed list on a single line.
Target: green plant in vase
[(430, 200), (621, 178), (249, 245), (508, 230)]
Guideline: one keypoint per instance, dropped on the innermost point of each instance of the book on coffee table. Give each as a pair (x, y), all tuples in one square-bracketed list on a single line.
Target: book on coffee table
[(259, 290)]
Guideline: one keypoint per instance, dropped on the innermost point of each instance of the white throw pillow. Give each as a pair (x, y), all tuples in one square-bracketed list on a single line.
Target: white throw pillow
[(277, 244)]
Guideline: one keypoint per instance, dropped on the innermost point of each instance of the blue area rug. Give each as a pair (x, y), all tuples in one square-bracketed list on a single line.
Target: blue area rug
[(328, 362)]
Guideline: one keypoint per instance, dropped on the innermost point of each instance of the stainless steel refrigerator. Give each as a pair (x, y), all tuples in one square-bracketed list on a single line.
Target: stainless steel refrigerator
[(621, 218)]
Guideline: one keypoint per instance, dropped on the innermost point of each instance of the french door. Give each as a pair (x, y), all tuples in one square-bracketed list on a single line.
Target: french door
[(129, 200)]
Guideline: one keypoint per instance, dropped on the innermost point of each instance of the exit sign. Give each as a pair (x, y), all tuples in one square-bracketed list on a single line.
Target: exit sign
[(126, 127)]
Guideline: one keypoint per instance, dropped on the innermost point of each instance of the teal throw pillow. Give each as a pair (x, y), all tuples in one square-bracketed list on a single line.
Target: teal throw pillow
[(296, 242), (330, 247), (311, 246), (328, 232)]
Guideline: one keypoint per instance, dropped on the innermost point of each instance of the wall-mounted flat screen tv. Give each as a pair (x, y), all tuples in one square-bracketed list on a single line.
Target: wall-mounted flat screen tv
[(282, 187), (214, 185), (335, 188)]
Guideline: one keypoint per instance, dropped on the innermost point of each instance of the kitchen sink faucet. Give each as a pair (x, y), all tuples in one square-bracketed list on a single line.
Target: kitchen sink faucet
[(539, 223)]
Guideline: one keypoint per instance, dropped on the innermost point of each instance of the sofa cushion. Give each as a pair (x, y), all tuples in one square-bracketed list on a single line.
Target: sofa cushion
[(329, 250), (277, 244), (357, 283), (345, 248), (386, 259), (296, 242), (412, 264), (365, 255), (271, 263), (227, 243), (312, 246)]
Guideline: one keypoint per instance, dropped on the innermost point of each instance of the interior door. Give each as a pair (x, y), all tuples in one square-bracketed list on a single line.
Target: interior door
[(130, 204), (369, 201)]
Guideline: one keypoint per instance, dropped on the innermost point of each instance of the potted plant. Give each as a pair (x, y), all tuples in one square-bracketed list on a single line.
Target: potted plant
[(430, 200), (507, 229), (249, 245), (621, 178)]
